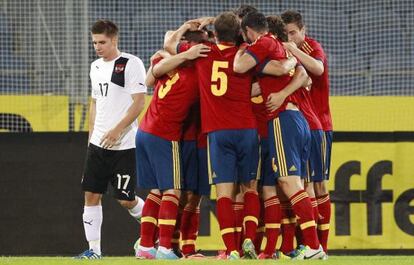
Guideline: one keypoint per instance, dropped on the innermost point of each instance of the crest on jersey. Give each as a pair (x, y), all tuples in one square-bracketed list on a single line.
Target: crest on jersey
[(119, 68)]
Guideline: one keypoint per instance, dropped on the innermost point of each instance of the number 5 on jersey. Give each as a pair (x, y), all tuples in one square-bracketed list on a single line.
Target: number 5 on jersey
[(216, 75)]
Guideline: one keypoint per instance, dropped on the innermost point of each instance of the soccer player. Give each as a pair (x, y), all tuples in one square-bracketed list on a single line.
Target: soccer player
[(313, 58), (289, 144), (228, 120), (118, 91), (159, 164)]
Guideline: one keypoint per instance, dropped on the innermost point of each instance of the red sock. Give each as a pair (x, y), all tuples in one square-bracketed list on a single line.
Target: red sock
[(189, 229), (167, 219), (302, 207), (175, 240), (238, 213), (149, 219), (251, 214), (288, 227), (260, 229), (226, 221), (272, 218), (324, 206)]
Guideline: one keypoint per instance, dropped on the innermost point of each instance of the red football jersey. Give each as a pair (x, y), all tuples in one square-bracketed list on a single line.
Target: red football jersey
[(264, 49), (302, 99), (191, 125), (224, 94), (320, 84), (259, 110), (173, 96)]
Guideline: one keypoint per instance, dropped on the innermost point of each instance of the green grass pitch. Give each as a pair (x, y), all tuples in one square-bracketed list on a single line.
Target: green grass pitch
[(333, 260)]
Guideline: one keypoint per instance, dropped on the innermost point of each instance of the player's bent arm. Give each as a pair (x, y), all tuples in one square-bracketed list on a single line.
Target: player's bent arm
[(150, 78), (311, 64), (243, 62), (133, 111), (168, 64), (278, 68), (256, 90), (92, 115), (172, 39), (300, 79)]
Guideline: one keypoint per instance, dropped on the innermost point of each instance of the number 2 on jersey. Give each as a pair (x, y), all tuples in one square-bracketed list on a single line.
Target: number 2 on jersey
[(162, 92), (217, 75)]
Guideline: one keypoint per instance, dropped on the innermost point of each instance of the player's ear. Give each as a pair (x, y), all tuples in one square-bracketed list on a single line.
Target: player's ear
[(114, 40)]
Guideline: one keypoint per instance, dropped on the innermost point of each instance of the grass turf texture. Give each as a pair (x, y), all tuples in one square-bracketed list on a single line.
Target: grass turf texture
[(333, 260)]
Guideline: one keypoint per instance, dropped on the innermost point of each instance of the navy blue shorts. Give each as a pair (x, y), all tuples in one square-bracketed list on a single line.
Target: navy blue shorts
[(233, 156), (190, 164), (158, 162), (203, 187), (267, 177), (327, 152), (289, 144), (315, 171)]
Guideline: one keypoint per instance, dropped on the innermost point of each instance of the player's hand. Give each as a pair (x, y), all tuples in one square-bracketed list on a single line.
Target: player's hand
[(202, 21), (275, 100), (110, 138), (290, 46), (308, 86), (199, 50)]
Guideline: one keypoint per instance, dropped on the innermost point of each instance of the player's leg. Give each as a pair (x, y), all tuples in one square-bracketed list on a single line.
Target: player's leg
[(147, 180), (124, 182), (94, 184), (238, 210), (221, 157), (322, 193), (290, 141), (168, 168), (249, 172), (272, 212)]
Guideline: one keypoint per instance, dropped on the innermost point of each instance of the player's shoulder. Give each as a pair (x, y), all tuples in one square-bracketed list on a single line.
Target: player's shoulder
[(131, 58), (314, 44), (96, 62)]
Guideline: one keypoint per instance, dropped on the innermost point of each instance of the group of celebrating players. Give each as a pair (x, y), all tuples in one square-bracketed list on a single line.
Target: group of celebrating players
[(244, 107)]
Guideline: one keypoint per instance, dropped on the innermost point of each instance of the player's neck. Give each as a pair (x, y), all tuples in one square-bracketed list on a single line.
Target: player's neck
[(112, 56), (258, 35)]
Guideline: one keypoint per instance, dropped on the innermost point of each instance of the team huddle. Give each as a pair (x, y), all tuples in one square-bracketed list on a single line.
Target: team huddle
[(244, 107)]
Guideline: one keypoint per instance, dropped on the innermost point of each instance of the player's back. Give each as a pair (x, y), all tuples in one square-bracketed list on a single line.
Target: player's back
[(224, 94), (174, 94)]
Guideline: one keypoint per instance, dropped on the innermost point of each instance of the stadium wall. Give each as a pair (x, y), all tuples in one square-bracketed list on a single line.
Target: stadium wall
[(371, 186)]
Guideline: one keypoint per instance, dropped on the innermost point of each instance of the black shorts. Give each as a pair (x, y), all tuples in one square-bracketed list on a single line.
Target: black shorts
[(117, 167)]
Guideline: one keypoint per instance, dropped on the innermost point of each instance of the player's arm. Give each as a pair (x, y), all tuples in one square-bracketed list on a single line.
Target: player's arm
[(92, 115), (278, 68), (168, 64), (311, 64), (202, 21), (256, 90), (172, 38), (300, 79), (150, 78), (243, 61), (111, 137)]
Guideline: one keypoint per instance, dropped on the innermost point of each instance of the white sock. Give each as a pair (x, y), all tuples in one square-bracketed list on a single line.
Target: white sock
[(92, 222), (164, 249), (136, 212)]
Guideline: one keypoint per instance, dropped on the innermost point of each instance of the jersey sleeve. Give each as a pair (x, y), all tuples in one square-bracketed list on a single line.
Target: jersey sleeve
[(318, 53), (92, 83), (260, 49), (183, 46), (135, 76)]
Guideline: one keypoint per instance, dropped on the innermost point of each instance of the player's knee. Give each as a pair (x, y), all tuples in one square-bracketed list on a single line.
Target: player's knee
[(92, 199), (127, 204), (320, 188)]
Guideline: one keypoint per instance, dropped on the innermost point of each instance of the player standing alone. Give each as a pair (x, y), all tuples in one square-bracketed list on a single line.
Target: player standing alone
[(118, 91)]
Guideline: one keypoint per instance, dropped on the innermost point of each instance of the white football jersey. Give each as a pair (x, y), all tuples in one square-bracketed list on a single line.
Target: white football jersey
[(113, 82)]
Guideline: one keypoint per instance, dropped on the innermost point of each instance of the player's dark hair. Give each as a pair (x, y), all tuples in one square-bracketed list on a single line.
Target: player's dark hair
[(227, 27), (104, 26), (277, 27), (197, 36), (292, 16), (243, 10), (256, 21)]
